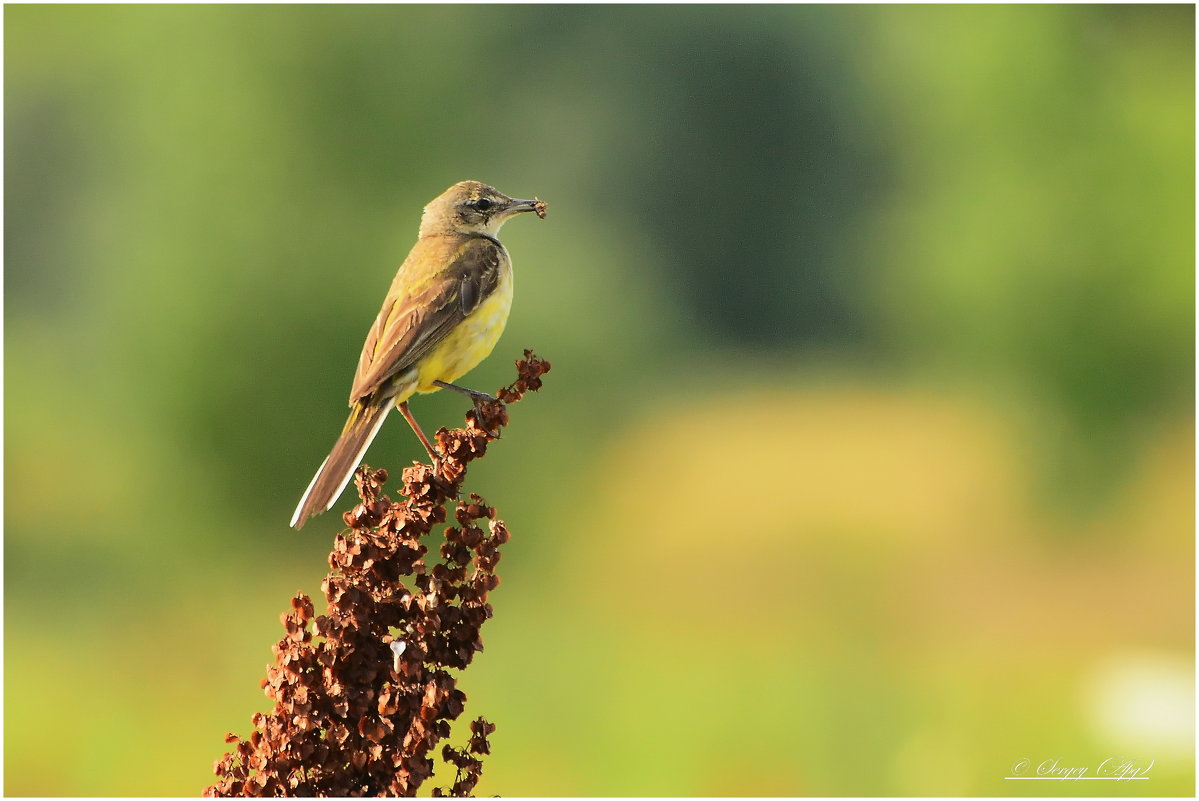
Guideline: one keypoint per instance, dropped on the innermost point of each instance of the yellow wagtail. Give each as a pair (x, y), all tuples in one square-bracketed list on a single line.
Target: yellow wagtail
[(442, 316)]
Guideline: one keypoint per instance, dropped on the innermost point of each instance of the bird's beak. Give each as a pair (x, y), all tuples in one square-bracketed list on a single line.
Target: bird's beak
[(534, 205)]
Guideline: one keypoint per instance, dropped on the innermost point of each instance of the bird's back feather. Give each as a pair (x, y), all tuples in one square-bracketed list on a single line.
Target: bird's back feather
[(425, 303)]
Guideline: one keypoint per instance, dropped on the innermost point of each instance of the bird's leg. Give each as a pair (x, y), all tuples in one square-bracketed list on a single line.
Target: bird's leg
[(477, 397), (403, 407), (473, 394)]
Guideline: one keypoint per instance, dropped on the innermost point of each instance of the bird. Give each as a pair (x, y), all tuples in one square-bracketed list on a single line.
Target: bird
[(443, 314)]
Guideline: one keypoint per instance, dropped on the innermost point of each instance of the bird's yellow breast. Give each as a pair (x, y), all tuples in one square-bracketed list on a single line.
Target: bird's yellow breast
[(472, 340)]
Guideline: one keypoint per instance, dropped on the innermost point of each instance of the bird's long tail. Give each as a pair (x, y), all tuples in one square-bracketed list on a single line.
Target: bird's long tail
[(339, 466)]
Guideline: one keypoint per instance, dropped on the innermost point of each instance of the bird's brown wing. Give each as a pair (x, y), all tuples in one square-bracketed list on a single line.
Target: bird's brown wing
[(418, 314)]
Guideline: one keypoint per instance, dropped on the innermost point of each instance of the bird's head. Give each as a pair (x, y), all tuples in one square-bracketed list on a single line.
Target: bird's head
[(470, 207)]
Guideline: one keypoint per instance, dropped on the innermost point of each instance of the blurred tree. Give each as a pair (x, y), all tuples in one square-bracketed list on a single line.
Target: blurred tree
[(1041, 230)]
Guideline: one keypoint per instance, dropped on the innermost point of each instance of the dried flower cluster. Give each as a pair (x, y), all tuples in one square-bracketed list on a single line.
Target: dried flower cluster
[(362, 693)]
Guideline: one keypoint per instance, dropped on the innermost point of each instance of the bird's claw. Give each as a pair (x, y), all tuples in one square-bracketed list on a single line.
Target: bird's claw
[(479, 415)]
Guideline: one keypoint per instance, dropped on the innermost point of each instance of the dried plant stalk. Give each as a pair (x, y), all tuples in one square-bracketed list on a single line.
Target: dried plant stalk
[(362, 693)]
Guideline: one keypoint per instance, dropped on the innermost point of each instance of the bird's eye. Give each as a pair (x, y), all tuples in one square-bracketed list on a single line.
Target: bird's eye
[(482, 204)]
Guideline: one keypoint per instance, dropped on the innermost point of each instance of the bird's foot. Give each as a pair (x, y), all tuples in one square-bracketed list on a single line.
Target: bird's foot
[(479, 398), (479, 417)]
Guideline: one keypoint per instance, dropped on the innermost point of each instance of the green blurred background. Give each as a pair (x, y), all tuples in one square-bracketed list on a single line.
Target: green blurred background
[(866, 461)]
